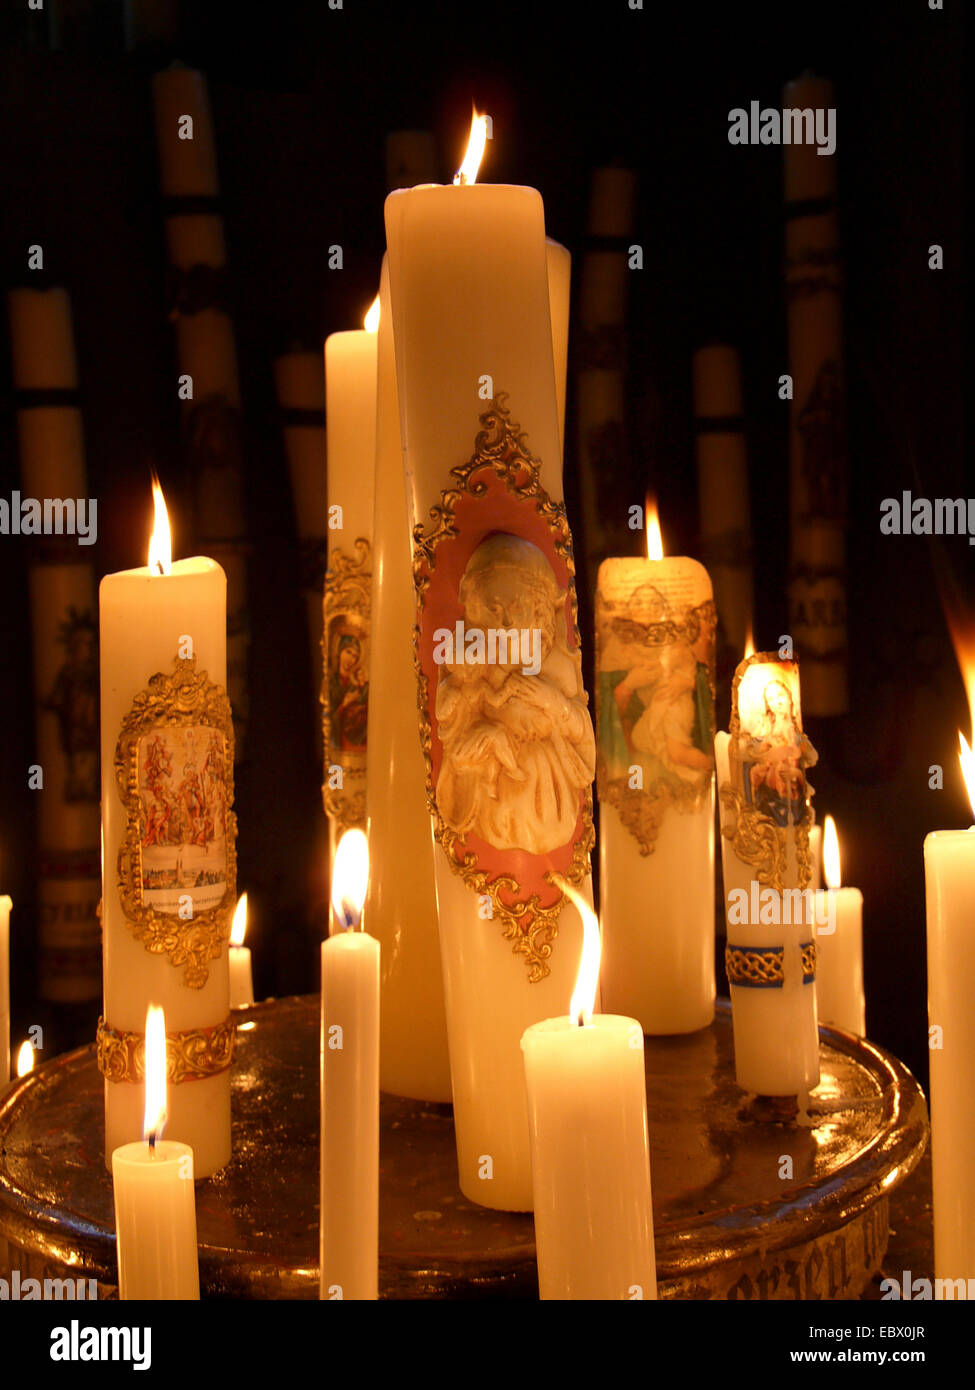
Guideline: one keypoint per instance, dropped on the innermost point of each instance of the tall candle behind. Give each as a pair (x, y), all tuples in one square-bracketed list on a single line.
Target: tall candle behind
[(167, 621), (5, 905), (949, 872), (349, 1193), (655, 624)]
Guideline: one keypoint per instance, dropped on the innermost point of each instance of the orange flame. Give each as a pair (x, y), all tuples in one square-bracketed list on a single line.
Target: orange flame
[(350, 878), (25, 1058), (963, 640), (161, 540), (155, 1113), (831, 854), (371, 321), (749, 643), (655, 542), (467, 173), (239, 929), (584, 994)]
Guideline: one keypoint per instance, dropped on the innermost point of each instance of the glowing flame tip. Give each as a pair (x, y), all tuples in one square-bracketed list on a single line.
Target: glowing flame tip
[(655, 542), (967, 759), (831, 854), (350, 878), (155, 1113), (160, 542), (25, 1058), (584, 994), (467, 173), (239, 929), (371, 321)]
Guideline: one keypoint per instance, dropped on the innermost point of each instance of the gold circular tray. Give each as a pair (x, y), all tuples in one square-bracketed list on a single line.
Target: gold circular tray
[(727, 1224)]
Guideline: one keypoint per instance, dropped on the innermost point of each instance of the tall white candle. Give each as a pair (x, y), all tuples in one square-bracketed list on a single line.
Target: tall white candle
[(469, 282), (655, 626), (949, 872), (155, 1202), (765, 815), (587, 1108), (166, 921), (349, 1196), (839, 945), (5, 905)]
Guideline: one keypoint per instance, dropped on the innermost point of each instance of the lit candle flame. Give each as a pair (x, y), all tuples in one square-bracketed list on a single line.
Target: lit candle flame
[(160, 542), (350, 879), (967, 759), (749, 643), (239, 929), (25, 1058), (963, 640), (584, 994), (831, 854), (655, 541), (467, 173), (371, 321), (155, 1113)]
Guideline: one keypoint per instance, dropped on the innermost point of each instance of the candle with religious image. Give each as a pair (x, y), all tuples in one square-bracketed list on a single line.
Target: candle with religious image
[(770, 907), (503, 713), (168, 836), (655, 626)]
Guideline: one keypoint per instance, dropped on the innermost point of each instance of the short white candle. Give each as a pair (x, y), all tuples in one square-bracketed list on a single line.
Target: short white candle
[(155, 1202), (949, 871), (839, 944), (587, 1112), (241, 975), (349, 1191)]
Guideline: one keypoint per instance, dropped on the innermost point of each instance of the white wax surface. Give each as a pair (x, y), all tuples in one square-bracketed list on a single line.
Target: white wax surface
[(241, 977), (590, 1158), (155, 1221), (839, 960)]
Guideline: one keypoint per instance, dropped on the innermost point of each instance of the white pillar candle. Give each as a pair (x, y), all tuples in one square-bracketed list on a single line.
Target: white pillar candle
[(765, 814), (5, 905), (949, 872), (587, 1110), (349, 1195), (655, 626), (241, 973), (839, 945), (350, 424), (180, 831), (469, 288), (155, 1201)]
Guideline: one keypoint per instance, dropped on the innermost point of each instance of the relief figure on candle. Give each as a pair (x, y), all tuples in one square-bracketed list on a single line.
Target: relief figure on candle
[(518, 749), (183, 816), (774, 751), (348, 689), (74, 699)]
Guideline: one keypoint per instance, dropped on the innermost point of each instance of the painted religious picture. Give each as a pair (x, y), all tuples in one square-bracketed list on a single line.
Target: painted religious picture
[(74, 700), (182, 779), (655, 690), (773, 752), (348, 687)]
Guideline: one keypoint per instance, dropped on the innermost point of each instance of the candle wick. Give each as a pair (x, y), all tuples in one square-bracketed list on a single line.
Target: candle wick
[(152, 1143)]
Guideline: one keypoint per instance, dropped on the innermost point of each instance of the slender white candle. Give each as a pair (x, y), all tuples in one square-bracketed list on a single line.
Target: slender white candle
[(5, 905), (349, 1195), (587, 1111), (949, 871), (155, 1202), (241, 974), (839, 944)]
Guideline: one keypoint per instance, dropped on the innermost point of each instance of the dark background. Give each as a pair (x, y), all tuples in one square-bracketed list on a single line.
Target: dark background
[(302, 99)]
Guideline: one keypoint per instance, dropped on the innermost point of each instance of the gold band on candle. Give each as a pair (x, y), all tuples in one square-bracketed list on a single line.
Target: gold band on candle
[(756, 968), (177, 705), (193, 1055)]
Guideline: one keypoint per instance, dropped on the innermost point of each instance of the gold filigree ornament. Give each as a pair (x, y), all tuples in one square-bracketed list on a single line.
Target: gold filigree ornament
[(184, 699), (347, 602), (193, 1055), (641, 811), (755, 837), (758, 967), (500, 447)]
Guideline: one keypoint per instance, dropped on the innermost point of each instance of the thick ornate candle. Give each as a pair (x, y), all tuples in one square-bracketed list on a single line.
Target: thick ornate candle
[(949, 872), (587, 1109), (349, 1197), (817, 412), (5, 905), (241, 973), (503, 713), (839, 944), (655, 624), (168, 844), (64, 645), (350, 423), (770, 908), (155, 1202)]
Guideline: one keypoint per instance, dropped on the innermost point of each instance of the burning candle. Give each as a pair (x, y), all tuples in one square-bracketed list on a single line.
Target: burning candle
[(949, 870), (587, 1109), (349, 1212), (508, 742), (5, 905), (168, 835), (25, 1058), (155, 1203), (655, 626), (241, 975), (839, 944)]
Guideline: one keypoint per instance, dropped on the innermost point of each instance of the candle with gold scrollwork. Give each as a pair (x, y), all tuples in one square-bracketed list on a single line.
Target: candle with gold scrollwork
[(350, 423), (169, 846), (770, 905), (504, 719)]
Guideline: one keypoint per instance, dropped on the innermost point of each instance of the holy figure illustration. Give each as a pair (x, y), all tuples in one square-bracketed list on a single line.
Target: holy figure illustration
[(518, 750), (775, 753)]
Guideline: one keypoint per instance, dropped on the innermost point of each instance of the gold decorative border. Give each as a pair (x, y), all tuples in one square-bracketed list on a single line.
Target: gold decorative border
[(808, 950), (641, 813), (348, 589), (759, 967), (502, 447), (755, 838), (193, 1055), (183, 698)]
